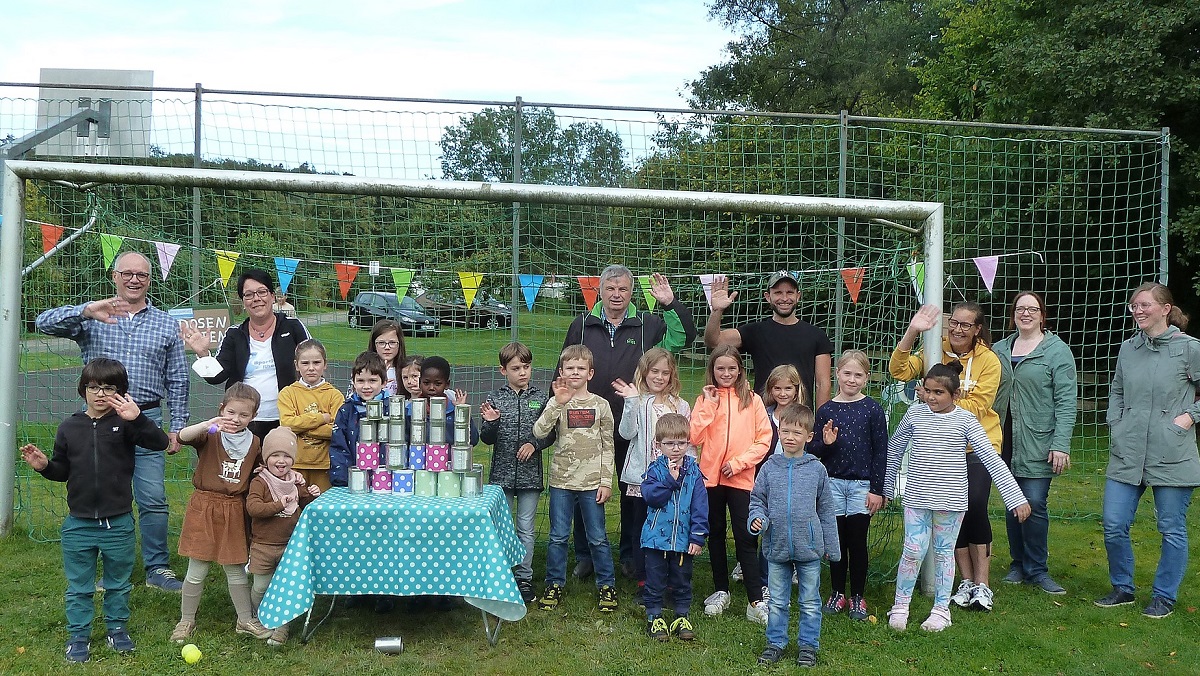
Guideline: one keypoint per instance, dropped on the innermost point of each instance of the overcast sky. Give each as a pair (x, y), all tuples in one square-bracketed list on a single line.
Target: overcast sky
[(619, 52)]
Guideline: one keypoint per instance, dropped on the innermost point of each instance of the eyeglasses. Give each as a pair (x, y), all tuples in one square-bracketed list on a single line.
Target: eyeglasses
[(101, 389), (387, 343), (955, 324), (128, 275), (260, 293), (673, 444), (1031, 310), (1134, 307)]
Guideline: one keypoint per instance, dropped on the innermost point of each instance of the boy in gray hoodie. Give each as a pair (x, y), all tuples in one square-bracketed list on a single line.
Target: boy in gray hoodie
[(792, 507)]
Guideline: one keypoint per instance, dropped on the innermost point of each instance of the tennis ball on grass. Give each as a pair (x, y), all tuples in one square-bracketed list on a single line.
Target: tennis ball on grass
[(191, 654)]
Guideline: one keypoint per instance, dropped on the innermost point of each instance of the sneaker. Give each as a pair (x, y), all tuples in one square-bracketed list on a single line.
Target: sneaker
[(656, 629), (1048, 585), (770, 655), (1015, 576), (756, 612), (78, 649), (737, 573), (858, 608), (682, 628), (252, 627), (551, 597), (898, 617), (962, 597), (939, 619), (716, 603), (1115, 598), (807, 657), (164, 579), (981, 598), (835, 604), (608, 599), (183, 631), (118, 640), (1158, 608), (278, 637), (526, 589), (584, 569)]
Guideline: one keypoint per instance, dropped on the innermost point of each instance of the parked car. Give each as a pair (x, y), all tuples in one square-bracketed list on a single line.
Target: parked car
[(485, 313), (371, 306)]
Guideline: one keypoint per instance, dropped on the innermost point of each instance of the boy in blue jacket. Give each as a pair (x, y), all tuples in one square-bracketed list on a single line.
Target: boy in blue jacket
[(675, 528), (368, 375), (792, 507)]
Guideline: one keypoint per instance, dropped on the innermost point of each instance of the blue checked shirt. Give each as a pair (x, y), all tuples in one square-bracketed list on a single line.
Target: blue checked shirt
[(147, 344)]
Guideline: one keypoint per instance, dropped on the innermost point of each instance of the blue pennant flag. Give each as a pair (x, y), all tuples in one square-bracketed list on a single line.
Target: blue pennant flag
[(285, 269), (530, 285)]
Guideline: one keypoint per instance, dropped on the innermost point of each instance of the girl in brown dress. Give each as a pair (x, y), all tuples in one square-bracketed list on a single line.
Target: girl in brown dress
[(214, 525)]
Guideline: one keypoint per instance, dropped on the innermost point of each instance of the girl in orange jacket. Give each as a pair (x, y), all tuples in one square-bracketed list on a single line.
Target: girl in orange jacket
[(731, 429)]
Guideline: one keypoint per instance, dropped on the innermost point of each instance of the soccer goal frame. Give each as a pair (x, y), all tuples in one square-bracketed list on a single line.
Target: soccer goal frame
[(924, 217)]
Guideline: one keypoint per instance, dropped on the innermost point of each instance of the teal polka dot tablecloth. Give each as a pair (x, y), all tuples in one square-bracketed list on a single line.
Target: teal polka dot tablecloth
[(380, 543)]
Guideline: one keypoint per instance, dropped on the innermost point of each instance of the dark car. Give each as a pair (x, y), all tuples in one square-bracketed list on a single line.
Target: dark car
[(371, 306), (485, 313)]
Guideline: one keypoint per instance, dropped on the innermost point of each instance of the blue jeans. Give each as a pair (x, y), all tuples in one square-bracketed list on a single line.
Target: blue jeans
[(83, 542), (779, 582), (563, 504), (150, 494), (523, 505), (1171, 505), (1028, 542)]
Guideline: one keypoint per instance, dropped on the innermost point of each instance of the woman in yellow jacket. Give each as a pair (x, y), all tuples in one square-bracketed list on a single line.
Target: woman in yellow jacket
[(967, 342)]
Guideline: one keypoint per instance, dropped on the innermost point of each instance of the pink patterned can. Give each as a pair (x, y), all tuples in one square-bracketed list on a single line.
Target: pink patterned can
[(381, 481), (437, 457), (366, 455)]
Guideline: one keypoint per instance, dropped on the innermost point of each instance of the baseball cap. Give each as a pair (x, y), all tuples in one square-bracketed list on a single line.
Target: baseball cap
[(781, 276)]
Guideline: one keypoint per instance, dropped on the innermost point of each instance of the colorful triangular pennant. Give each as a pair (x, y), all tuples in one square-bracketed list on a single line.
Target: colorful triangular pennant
[(706, 281), (402, 278), (916, 270), (110, 245), (226, 260), (853, 277), (166, 257), (285, 269), (646, 283), (530, 285), (590, 286), (470, 282), (346, 272), (51, 234), (987, 269)]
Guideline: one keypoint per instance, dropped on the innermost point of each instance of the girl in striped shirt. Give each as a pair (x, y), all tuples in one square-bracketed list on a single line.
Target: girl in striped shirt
[(935, 494)]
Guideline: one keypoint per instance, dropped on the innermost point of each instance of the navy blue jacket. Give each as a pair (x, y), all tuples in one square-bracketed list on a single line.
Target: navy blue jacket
[(344, 439), (677, 513)]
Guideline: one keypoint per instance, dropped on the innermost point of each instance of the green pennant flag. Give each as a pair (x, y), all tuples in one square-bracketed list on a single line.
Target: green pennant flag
[(644, 280), (110, 246), (402, 279), (916, 270)]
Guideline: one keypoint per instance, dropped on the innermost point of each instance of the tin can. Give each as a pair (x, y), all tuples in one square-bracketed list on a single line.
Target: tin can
[(477, 472), (437, 409), (381, 431), (416, 456), (396, 407), (396, 431), (424, 483), (418, 410), (437, 432), (358, 481), (366, 430), (470, 486), (460, 458), (389, 645), (381, 481), (366, 455), (418, 436), (397, 456), (375, 409), (403, 482), (437, 457), (462, 434), (449, 485), (462, 414)]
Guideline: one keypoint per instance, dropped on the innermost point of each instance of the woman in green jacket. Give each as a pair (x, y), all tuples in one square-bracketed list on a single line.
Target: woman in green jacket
[(1152, 411), (1036, 403)]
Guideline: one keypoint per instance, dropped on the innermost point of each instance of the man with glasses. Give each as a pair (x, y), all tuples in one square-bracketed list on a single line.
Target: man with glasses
[(145, 339)]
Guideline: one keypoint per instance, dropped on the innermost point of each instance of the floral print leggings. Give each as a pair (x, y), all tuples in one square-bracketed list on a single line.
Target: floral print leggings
[(921, 525)]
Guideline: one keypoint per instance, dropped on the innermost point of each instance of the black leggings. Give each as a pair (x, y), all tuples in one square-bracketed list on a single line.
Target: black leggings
[(852, 532), (976, 528), (745, 544)]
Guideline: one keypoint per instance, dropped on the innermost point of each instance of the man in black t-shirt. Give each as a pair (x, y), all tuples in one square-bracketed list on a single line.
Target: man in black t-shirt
[(782, 338)]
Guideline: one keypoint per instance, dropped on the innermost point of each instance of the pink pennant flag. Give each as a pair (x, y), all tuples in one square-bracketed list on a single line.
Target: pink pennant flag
[(987, 269), (706, 282), (166, 257)]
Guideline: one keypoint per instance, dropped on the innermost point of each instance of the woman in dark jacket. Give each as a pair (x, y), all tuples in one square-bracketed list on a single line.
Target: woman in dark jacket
[(260, 351)]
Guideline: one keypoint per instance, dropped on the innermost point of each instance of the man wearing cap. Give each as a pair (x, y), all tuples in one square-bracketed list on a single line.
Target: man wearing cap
[(145, 339), (782, 338)]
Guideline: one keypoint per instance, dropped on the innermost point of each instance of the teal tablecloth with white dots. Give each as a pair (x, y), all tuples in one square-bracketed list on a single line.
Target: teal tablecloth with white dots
[(380, 543)]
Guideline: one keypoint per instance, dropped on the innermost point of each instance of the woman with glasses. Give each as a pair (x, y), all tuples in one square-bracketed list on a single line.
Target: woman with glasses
[(1036, 404), (967, 342), (1152, 412), (260, 351)]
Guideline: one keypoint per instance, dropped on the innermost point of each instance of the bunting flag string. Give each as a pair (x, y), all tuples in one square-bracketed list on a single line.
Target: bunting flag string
[(226, 260), (590, 286), (402, 279), (470, 282), (645, 282), (706, 282), (166, 257), (530, 285), (285, 270), (51, 234), (987, 269), (110, 245), (853, 277), (346, 272)]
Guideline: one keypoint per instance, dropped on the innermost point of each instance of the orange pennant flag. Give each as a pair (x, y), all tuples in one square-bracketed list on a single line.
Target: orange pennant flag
[(590, 286), (50, 236), (853, 277), (346, 272)]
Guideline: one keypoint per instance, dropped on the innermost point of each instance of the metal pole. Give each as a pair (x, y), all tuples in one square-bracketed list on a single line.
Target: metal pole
[(518, 115), (1163, 220), (932, 339), (12, 230), (196, 198), (839, 303)]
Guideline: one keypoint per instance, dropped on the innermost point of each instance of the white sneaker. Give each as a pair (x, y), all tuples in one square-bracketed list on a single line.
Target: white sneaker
[(716, 603), (981, 598), (757, 612), (939, 619), (898, 617), (737, 573), (962, 597)]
